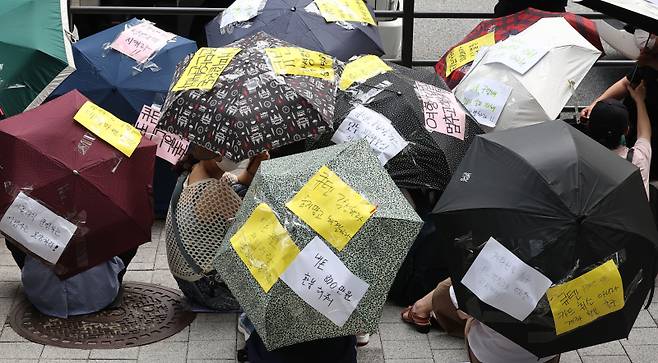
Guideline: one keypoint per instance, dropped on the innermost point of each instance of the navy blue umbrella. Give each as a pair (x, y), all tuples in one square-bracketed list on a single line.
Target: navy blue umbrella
[(120, 85), (289, 21)]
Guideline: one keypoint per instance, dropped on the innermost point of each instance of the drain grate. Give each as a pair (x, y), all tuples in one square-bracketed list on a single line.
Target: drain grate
[(147, 313)]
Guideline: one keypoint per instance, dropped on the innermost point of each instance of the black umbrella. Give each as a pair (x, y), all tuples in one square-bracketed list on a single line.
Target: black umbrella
[(431, 157), (299, 22), (250, 107), (562, 204)]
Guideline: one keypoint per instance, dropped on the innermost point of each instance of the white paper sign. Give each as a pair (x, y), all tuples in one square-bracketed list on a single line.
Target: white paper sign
[(322, 280), (372, 126), (517, 55), (485, 100), (241, 10), (37, 228), (502, 280)]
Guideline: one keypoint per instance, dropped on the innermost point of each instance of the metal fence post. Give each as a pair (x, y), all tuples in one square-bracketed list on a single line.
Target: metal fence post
[(408, 33)]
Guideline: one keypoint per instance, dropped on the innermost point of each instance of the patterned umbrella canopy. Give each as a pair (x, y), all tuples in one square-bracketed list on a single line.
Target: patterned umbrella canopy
[(286, 310), (265, 93), (507, 26), (431, 154)]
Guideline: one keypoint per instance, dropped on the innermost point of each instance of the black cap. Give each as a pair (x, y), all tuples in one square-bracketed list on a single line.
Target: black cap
[(608, 121)]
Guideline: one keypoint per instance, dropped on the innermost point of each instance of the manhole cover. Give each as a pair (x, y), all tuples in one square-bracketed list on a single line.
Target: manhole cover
[(147, 314)]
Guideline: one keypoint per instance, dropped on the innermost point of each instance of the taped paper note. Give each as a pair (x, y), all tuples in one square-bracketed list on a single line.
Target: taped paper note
[(139, 42), (171, 147), (345, 10), (516, 55), (264, 246), (485, 99), (442, 112), (465, 53), (364, 123), (301, 62), (36, 228), (321, 279), (241, 10), (586, 298), (361, 70), (331, 207), (504, 281), (204, 69), (108, 127)]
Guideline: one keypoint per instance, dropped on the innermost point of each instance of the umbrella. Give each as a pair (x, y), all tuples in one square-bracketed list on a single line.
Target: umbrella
[(117, 82), (54, 160), (298, 22), (641, 13), (35, 52), (528, 78), (250, 107), (564, 206), (506, 26), (372, 255), (429, 157)]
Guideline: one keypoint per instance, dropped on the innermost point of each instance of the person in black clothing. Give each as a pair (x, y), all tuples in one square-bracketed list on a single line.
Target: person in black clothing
[(509, 7)]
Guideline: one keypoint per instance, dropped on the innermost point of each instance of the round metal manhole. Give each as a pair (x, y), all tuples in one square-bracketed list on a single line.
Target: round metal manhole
[(147, 313)]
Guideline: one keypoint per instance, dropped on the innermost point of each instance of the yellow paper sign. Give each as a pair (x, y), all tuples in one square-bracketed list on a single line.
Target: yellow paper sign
[(204, 69), (361, 70), (466, 52), (108, 127), (586, 298), (264, 246), (301, 62), (345, 10), (331, 207)]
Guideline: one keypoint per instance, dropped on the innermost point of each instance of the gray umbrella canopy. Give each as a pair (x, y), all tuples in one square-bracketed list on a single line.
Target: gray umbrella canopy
[(374, 254)]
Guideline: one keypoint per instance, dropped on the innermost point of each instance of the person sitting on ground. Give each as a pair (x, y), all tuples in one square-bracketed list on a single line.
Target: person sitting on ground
[(203, 205), (482, 343), (509, 7), (609, 123)]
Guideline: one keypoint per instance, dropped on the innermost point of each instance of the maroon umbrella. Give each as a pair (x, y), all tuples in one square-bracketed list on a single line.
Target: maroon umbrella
[(506, 26), (45, 154)]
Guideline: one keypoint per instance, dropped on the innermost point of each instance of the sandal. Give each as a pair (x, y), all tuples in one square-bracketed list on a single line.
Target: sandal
[(422, 324)]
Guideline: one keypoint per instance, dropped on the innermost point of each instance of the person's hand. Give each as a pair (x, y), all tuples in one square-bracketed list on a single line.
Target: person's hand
[(584, 113), (639, 93), (254, 162), (648, 58)]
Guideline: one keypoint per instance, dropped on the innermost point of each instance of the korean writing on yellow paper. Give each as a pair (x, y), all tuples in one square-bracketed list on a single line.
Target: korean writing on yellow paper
[(264, 246), (586, 298), (345, 10), (361, 70), (331, 207), (204, 69), (465, 53), (108, 127), (301, 62)]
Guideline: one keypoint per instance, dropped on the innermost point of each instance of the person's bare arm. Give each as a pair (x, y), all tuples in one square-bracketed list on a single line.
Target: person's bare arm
[(643, 123), (617, 90)]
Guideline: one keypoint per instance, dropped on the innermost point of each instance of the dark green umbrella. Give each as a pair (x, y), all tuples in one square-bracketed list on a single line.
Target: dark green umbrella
[(35, 52)]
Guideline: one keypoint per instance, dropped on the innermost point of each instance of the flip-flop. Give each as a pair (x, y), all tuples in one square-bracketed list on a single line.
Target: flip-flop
[(422, 324)]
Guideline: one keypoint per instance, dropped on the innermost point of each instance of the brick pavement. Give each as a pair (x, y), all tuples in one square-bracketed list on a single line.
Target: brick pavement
[(213, 337)]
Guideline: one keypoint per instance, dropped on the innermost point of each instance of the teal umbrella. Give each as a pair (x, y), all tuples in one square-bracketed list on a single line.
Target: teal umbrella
[(35, 52)]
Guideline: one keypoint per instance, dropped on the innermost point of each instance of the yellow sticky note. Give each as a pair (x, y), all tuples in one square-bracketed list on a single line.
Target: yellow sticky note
[(466, 52), (108, 127), (264, 246), (331, 207), (362, 69), (301, 62), (586, 298), (345, 10), (204, 69)]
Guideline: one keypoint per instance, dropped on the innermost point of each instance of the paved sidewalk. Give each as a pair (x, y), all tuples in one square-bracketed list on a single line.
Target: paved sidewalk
[(213, 337)]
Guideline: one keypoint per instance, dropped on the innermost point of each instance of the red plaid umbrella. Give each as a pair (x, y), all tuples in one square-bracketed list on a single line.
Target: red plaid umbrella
[(51, 158), (511, 25)]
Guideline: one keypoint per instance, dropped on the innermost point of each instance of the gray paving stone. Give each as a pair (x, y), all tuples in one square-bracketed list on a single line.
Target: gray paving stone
[(644, 320), (422, 360), (409, 349), (117, 354), (18, 360), (607, 359), (610, 348), (213, 327), (111, 361), (8, 289), (164, 278), (10, 273), (161, 262), (642, 353), (9, 335), (51, 352), (140, 266), (217, 349), (210, 361), (138, 276), (641, 336), (21, 350), (145, 254), (441, 340), (370, 355), (67, 360), (570, 357), (400, 331), (391, 314), (450, 355), (163, 352), (181, 336)]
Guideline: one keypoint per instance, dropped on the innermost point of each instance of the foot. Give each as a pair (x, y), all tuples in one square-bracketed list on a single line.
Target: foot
[(420, 322)]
